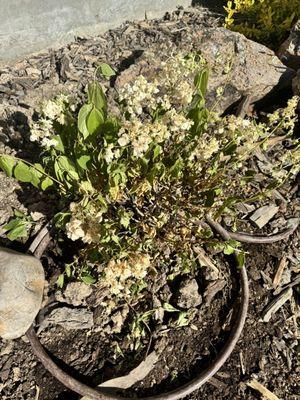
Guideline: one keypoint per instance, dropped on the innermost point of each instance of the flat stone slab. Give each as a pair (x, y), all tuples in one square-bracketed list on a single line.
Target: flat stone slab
[(22, 283), (33, 25)]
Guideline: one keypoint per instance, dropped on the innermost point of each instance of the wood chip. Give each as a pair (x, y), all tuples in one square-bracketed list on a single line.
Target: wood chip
[(217, 383), (206, 261), (264, 214), (212, 289), (136, 375), (276, 304), (242, 362), (254, 384), (279, 272)]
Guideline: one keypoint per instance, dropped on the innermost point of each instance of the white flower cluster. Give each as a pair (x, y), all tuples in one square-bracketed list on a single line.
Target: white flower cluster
[(84, 226), (42, 132), (173, 89), (287, 116), (140, 135), (120, 274), (206, 147), (139, 95), (52, 111), (111, 153)]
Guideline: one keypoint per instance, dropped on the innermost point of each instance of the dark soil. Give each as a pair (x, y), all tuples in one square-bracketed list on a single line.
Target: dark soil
[(266, 351)]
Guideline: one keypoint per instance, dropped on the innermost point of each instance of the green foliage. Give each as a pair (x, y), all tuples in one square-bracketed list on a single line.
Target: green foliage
[(266, 21), (135, 185), (19, 226)]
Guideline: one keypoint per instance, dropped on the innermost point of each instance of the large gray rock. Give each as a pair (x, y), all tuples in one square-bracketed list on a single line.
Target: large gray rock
[(238, 65), (32, 25), (22, 283), (289, 51)]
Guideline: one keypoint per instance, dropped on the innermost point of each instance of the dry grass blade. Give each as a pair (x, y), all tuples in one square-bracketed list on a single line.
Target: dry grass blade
[(254, 384), (279, 272)]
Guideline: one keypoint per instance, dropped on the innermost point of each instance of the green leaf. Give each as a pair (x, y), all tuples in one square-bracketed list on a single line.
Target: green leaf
[(168, 307), (230, 148), (96, 96), (7, 164), (125, 219), (182, 319), (23, 173), (176, 168), (110, 128), (47, 182), (60, 281), (156, 151), (19, 214), (82, 119), (106, 70), (66, 165), (83, 160), (201, 81), (60, 146), (12, 224), (240, 258), (37, 174), (68, 270), (87, 278), (228, 250), (94, 121), (87, 186), (60, 219), (16, 228)]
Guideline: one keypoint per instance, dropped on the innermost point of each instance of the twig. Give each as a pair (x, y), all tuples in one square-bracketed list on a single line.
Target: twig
[(279, 272), (276, 304), (254, 384)]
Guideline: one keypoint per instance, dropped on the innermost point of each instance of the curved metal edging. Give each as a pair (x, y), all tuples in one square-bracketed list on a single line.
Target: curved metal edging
[(182, 391)]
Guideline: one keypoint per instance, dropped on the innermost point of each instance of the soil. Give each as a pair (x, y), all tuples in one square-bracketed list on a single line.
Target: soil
[(267, 351)]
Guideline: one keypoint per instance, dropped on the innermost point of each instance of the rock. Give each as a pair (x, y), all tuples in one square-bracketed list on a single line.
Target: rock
[(212, 289), (289, 51), (255, 69), (118, 319), (75, 293), (102, 315), (188, 295), (22, 283), (264, 214), (71, 318)]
